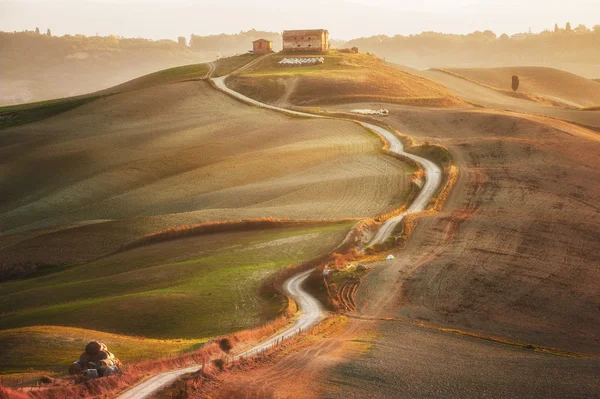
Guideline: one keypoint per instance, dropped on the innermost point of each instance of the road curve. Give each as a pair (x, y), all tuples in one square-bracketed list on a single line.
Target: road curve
[(433, 180), (311, 310), (311, 313), (433, 174)]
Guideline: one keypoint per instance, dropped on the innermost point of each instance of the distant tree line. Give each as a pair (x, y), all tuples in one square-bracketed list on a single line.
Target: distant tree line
[(233, 44), (432, 49)]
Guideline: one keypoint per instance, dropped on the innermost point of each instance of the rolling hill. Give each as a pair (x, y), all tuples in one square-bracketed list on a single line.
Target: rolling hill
[(85, 177), (185, 290), (342, 78), (141, 161), (495, 295), (547, 83)]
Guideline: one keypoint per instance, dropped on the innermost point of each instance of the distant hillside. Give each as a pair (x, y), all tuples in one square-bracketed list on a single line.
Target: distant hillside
[(38, 67), (233, 44), (548, 83)]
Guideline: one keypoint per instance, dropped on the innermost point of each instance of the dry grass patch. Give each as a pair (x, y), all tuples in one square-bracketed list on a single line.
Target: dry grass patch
[(342, 78), (225, 66), (593, 108)]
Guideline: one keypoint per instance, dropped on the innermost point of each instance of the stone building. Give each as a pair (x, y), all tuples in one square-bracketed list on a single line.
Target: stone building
[(316, 40), (262, 46)]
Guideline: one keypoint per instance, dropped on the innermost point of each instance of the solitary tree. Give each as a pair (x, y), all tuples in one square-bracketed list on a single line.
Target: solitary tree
[(568, 27), (556, 28), (515, 83), (49, 32), (37, 31), (182, 41)]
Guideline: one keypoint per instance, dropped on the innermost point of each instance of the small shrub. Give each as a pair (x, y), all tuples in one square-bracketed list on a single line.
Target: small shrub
[(46, 380), (226, 345), (219, 363)]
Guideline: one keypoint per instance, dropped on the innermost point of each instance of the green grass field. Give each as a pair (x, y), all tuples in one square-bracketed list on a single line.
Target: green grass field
[(189, 288), (16, 115), (166, 76), (46, 349), (225, 66)]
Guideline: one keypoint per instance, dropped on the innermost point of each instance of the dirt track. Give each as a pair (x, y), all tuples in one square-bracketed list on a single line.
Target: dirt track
[(311, 310), (512, 255), (312, 313)]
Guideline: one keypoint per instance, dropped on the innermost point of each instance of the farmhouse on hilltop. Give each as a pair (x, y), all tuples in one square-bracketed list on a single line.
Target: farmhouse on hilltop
[(262, 46), (316, 40)]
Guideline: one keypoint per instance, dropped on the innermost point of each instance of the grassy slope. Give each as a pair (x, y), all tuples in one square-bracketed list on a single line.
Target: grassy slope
[(194, 287), (342, 78), (166, 76), (15, 115), (547, 83), (171, 156), (52, 348), (225, 66)]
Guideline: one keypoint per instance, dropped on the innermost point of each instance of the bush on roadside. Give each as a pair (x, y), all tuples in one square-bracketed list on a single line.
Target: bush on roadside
[(219, 363), (226, 345)]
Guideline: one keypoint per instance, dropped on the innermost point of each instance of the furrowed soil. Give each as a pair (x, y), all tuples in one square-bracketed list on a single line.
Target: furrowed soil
[(343, 78), (514, 252), (86, 182), (552, 84), (512, 256)]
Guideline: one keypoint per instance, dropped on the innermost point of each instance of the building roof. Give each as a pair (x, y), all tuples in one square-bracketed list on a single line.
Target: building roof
[(304, 32), (261, 40)]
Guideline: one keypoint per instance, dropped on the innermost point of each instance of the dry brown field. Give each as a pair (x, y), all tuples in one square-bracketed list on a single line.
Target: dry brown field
[(548, 83), (514, 251), (343, 78), (511, 258)]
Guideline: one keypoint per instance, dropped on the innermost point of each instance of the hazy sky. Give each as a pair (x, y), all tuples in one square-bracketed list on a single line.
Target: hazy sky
[(345, 19)]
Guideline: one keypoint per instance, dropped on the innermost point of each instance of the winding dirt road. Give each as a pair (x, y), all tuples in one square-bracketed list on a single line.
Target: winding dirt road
[(312, 313), (311, 310)]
